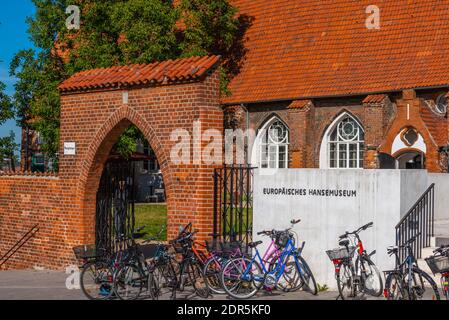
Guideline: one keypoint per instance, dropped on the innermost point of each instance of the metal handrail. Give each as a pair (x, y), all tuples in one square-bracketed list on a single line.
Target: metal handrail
[(418, 223), (432, 186), (18, 245)]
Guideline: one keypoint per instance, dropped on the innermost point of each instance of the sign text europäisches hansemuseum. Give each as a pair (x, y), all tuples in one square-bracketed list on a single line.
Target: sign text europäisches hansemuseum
[(310, 192)]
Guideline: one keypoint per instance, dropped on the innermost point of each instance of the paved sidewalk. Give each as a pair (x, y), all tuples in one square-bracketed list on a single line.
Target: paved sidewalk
[(50, 285)]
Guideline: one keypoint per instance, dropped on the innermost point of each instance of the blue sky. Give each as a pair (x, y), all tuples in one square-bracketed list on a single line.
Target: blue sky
[(13, 32)]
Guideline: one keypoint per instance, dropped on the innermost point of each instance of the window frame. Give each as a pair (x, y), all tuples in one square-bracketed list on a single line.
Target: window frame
[(267, 144), (333, 155)]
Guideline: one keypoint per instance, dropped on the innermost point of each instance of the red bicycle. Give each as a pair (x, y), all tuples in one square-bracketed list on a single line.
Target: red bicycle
[(359, 277)]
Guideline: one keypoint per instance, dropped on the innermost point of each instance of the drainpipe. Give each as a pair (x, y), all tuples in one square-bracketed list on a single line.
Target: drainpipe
[(247, 137)]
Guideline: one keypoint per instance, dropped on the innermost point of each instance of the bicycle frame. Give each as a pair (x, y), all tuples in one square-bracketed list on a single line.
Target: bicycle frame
[(279, 270)]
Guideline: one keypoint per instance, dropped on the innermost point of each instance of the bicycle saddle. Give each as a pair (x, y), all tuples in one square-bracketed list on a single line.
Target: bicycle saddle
[(254, 244), (344, 243)]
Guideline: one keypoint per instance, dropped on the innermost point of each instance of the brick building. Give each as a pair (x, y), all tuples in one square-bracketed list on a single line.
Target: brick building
[(343, 95), (335, 94)]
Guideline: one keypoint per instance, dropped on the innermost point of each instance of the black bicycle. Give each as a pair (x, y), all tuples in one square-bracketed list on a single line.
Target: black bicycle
[(407, 281), (136, 276), (359, 277), (188, 270)]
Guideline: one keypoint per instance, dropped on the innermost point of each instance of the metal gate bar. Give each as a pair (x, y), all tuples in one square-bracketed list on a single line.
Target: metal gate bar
[(115, 207), (233, 203)]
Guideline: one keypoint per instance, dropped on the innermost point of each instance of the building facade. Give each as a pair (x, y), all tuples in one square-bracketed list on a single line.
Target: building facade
[(337, 94)]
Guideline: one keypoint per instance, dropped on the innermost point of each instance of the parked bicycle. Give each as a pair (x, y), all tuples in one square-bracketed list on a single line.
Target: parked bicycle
[(188, 269), (100, 265), (356, 278), (243, 277), (407, 281), (219, 253), (439, 264)]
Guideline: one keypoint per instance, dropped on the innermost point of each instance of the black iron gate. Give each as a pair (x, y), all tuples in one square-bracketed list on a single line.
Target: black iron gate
[(233, 203), (115, 206)]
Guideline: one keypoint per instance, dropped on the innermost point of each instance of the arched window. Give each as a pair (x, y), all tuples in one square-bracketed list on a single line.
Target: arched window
[(274, 138), (345, 144)]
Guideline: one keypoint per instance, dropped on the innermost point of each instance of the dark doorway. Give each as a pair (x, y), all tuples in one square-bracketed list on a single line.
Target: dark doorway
[(411, 160)]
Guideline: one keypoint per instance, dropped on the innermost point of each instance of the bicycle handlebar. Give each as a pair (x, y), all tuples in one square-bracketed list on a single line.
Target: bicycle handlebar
[(265, 233), (363, 228)]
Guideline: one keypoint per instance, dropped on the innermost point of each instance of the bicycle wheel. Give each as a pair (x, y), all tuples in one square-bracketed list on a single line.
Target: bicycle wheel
[(96, 281), (370, 277), (290, 279), (166, 276), (241, 278), (153, 285), (423, 286), (394, 287), (129, 282), (198, 279), (306, 275), (347, 286), (212, 271)]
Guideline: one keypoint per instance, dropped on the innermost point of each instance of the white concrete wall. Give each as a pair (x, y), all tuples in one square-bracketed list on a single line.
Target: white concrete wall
[(441, 181), (380, 197), (413, 185)]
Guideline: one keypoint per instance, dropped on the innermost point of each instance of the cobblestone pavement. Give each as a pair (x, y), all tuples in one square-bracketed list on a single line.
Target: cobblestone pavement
[(51, 285)]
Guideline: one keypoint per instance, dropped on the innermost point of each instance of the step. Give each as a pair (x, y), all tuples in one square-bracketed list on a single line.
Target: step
[(441, 241), (422, 264)]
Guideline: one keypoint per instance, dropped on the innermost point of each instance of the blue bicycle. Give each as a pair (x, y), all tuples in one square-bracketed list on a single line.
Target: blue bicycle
[(286, 269)]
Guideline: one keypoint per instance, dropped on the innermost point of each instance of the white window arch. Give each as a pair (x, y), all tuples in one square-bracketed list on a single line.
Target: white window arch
[(343, 145), (272, 144)]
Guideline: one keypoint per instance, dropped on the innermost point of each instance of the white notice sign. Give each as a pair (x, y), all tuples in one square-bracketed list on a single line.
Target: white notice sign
[(69, 148)]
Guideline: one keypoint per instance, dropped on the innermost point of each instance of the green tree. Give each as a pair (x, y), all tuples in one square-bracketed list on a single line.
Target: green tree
[(211, 27), (5, 105), (8, 148), (113, 32)]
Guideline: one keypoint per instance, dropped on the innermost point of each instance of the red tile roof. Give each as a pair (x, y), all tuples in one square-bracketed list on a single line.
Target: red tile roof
[(375, 98), (299, 104), (308, 48), (166, 72), (437, 125)]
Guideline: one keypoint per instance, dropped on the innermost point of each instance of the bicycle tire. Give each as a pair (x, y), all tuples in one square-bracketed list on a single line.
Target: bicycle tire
[(212, 271), (231, 277), (307, 277), (420, 292), (198, 279), (347, 281), (288, 282), (375, 292), (394, 287), (129, 282), (94, 271)]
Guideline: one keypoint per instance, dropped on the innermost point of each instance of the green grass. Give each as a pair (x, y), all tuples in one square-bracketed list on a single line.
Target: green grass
[(153, 217)]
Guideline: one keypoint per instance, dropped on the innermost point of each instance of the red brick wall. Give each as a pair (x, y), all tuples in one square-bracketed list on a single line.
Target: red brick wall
[(65, 206)]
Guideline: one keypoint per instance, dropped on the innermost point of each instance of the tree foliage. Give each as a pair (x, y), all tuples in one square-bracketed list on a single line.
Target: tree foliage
[(8, 147), (5, 105), (113, 32)]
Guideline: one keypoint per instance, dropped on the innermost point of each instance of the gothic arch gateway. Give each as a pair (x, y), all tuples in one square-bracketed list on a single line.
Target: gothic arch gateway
[(96, 107)]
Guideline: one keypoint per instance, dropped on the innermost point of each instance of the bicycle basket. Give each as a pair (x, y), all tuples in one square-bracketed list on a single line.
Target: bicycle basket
[(85, 252), (439, 264), (282, 239), (341, 253)]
